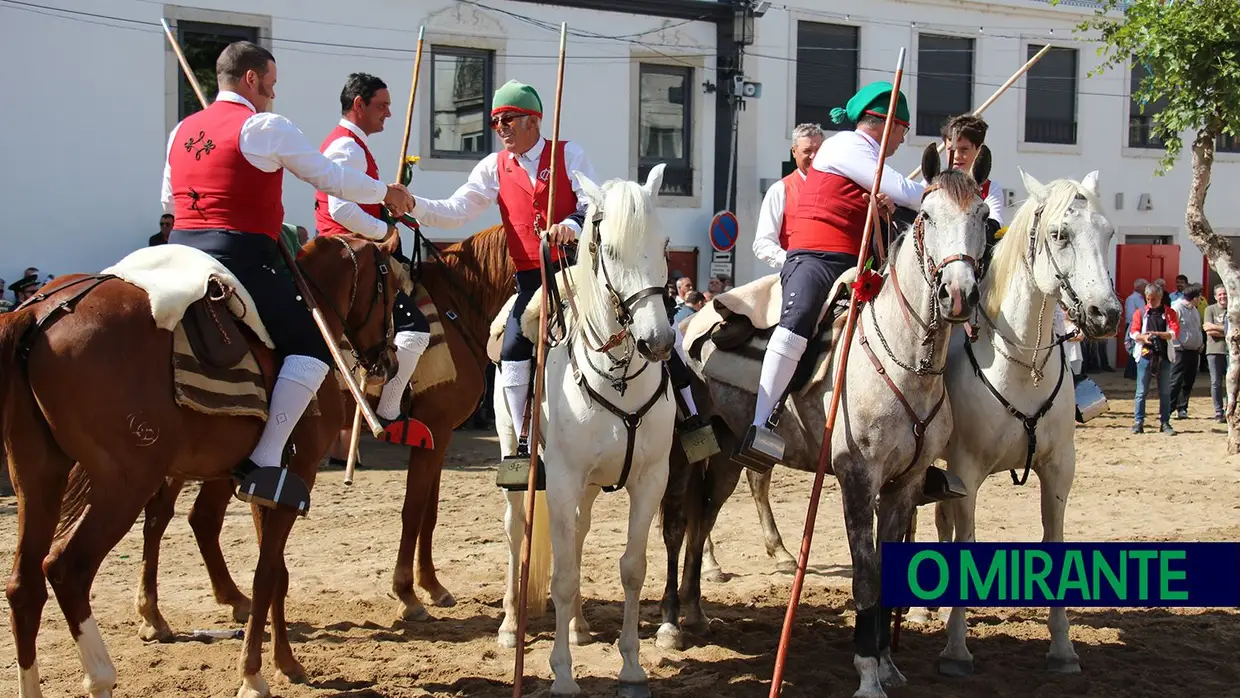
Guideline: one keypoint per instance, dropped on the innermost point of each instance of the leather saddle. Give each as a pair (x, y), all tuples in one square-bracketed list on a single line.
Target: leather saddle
[(213, 332)]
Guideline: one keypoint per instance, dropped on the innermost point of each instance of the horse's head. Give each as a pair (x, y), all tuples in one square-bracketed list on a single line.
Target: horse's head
[(1061, 236), (625, 251), (355, 281), (951, 233)]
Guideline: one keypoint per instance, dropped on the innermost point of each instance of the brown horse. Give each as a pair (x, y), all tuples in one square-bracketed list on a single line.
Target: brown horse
[(87, 377), (469, 283)]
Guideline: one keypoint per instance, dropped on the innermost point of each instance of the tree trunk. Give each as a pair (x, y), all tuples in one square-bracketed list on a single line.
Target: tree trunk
[(1217, 250)]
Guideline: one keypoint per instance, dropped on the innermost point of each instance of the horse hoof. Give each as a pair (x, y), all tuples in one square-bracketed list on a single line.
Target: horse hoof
[(956, 668), (254, 686), (152, 633), (634, 690), (507, 640), (715, 576), (415, 613), (292, 672), (580, 638), (1063, 665), (788, 566), (918, 615), (568, 689), (444, 600), (669, 637), (888, 674), (240, 609)]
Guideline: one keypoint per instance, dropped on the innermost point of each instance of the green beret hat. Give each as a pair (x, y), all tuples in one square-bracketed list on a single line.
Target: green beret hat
[(516, 97), (873, 99)]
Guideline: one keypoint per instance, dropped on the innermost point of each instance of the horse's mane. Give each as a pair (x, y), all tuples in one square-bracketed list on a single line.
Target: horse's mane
[(628, 214), (481, 266), (1011, 249)]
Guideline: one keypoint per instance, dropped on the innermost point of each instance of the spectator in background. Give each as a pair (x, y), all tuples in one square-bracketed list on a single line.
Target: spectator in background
[(1064, 327), (165, 227), (708, 296), (1214, 325), (25, 287), (1181, 282), (1134, 302), (1154, 329), (5, 304), (694, 300), (684, 285), (1189, 344), (303, 235)]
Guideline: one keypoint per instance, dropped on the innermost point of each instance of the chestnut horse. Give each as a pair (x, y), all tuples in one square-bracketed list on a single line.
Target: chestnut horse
[(86, 377), (469, 281)]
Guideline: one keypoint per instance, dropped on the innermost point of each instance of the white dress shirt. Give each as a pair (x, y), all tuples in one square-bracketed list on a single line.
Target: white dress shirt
[(770, 220), (994, 201), (345, 151), (854, 155), (270, 142), (482, 187)]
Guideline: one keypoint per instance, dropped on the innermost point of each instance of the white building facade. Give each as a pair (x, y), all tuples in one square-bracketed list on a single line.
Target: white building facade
[(645, 82)]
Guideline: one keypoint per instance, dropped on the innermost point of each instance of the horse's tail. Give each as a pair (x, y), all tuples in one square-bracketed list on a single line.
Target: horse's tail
[(13, 327), (73, 503), (540, 559)]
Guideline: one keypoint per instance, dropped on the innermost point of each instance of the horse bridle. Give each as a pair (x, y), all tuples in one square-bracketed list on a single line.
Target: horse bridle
[(370, 356), (1076, 307)]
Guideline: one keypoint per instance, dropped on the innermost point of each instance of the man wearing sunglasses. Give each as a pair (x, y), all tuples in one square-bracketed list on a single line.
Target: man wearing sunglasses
[(517, 178)]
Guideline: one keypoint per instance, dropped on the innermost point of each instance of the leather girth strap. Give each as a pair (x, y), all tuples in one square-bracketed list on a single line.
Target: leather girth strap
[(919, 425), (631, 420), (1029, 422)]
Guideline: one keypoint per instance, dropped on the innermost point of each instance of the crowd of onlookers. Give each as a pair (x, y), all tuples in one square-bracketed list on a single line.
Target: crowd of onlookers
[(1170, 338), (21, 289)]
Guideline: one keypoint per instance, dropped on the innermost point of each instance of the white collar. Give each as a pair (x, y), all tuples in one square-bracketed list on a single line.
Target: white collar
[(355, 130), (230, 96), (533, 153), (803, 175), (868, 138)]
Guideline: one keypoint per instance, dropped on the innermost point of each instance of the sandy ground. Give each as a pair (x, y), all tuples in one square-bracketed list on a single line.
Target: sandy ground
[(345, 632)]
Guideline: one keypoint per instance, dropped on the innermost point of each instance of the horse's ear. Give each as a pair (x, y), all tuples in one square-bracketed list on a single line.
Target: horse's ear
[(1036, 189), (1091, 183), (590, 188), (981, 165), (654, 180), (930, 165)]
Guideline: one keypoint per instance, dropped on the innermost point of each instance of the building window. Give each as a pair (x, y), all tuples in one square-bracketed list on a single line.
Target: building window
[(1227, 144), (944, 81), (1141, 115), (1050, 97), (461, 88), (827, 68), (665, 122), (202, 43)]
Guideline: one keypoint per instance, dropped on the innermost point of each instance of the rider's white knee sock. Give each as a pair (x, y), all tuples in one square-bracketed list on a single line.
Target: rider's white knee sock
[(687, 393), (299, 379), (514, 378), (409, 348), (783, 353)]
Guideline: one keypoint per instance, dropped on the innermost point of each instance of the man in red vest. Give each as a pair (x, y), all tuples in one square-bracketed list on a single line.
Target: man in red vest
[(223, 180), (365, 104), (517, 179), (824, 239), (770, 242)]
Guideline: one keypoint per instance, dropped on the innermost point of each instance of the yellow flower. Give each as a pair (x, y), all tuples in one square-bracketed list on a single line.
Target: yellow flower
[(999, 235)]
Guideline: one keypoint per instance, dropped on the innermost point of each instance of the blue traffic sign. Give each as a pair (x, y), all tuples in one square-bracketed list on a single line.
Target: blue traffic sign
[(723, 231)]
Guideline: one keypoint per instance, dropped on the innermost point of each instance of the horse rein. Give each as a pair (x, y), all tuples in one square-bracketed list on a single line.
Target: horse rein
[(369, 357)]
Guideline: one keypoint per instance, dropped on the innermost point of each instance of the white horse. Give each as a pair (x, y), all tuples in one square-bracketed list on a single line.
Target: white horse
[(894, 417), (618, 285), (1055, 248)]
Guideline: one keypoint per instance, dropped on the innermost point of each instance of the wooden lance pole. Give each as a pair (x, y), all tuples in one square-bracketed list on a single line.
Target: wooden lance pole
[(991, 100), (371, 418), (539, 373), (824, 453), (400, 170)]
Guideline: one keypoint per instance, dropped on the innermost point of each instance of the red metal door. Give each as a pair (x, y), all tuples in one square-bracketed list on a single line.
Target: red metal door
[(1149, 262)]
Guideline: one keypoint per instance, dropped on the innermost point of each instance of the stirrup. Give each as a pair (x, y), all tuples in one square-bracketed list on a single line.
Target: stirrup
[(406, 431), (698, 439), (513, 473), (271, 487), (941, 486), (760, 450)]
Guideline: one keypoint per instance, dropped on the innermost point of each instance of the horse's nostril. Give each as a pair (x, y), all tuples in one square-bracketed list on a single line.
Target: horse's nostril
[(974, 295)]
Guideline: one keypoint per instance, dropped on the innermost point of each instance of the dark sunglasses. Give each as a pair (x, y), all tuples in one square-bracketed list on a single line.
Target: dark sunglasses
[(505, 120)]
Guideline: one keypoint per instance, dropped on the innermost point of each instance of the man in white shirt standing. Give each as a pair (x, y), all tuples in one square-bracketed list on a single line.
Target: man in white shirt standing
[(517, 178), (770, 243), (223, 181), (365, 104)]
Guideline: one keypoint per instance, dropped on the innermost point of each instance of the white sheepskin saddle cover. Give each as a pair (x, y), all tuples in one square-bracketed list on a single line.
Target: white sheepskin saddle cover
[(174, 276)]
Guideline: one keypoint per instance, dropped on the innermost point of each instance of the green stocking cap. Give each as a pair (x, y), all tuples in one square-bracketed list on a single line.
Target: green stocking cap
[(873, 99), (516, 97)]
